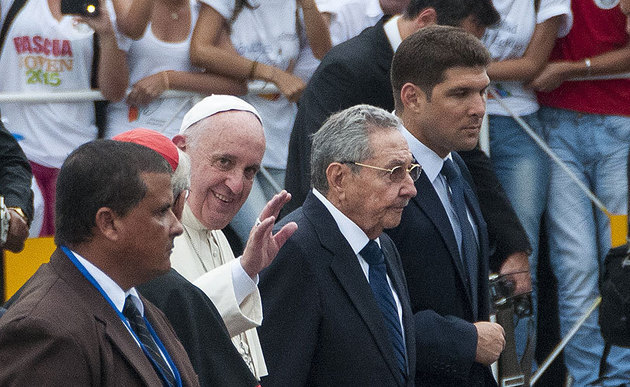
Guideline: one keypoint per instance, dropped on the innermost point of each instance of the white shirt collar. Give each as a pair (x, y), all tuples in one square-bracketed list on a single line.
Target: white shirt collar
[(392, 32), (353, 233), (429, 160), (111, 288)]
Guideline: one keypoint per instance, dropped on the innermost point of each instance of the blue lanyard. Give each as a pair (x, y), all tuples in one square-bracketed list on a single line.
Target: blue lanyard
[(93, 281)]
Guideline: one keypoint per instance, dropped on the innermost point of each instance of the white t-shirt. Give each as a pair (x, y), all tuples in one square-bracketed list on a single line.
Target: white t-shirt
[(267, 34), (42, 55), (510, 38), (148, 56), (347, 19)]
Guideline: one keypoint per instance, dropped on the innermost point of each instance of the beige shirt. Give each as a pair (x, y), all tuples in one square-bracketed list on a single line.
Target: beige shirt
[(205, 258)]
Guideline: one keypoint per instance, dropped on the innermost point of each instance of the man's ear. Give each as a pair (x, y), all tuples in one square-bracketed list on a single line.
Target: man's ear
[(178, 205), (337, 175), (427, 17), (107, 223), (180, 141), (412, 97)]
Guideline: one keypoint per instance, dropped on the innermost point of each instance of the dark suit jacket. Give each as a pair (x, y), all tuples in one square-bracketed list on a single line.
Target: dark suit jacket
[(444, 309), (15, 183), (15, 174), (201, 330), (322, 325), (351, 73), (61, 331), (357, 72)]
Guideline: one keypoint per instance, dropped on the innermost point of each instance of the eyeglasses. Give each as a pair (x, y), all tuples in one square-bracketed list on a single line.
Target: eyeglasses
[(398, 173)]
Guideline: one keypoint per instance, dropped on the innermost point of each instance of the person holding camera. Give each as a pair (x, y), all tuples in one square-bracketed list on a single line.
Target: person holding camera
[(43, 50)]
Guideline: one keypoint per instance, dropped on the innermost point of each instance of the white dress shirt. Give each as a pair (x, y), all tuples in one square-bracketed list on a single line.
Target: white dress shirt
[(116, 294), (392, 32)]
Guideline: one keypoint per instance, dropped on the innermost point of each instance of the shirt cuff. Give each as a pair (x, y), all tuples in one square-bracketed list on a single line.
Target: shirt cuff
[(243, 284)]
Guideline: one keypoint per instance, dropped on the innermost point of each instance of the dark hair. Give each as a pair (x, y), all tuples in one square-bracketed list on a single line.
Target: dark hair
[(101, 173), (453, 12), (423, 57)]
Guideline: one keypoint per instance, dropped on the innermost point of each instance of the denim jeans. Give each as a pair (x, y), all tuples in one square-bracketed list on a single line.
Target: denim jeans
[(595, 148), (262, 191), (523, 170)]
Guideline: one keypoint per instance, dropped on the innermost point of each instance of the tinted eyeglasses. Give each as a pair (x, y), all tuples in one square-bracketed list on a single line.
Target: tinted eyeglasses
[(396, 174)]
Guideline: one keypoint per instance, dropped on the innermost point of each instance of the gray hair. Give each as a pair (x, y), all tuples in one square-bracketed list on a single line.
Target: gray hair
[(180, 180), (344, 137), (193, 132)]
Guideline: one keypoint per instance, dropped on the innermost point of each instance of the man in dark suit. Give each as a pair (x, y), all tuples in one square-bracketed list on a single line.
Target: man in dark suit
[(357, 71), (442, 237), (15, 188), (336, 307), (79, 319)]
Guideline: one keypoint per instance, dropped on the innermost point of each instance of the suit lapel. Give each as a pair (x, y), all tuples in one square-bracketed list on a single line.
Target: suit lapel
[(104, 314), (429, 203), (345, 266)]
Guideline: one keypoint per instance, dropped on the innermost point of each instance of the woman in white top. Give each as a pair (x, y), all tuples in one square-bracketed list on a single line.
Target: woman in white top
[(520, 46), (159, 59), (45, 51), (265, 35)]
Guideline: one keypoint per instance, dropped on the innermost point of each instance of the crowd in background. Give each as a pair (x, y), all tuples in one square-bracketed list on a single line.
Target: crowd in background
[(218, 46)]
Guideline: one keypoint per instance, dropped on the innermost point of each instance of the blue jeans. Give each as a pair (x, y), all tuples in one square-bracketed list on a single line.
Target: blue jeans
[(595, 148), (523, 170), (262, 191)]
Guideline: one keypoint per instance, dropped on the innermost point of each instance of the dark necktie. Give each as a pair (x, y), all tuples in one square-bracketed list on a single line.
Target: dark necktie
[(383, 294), (153, 353), (470, 254)]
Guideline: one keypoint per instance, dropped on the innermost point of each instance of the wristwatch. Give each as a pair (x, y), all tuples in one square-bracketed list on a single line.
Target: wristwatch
[(19, 212)]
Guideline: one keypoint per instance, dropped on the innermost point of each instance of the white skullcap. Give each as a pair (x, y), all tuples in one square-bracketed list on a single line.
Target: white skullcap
[(214, 104)]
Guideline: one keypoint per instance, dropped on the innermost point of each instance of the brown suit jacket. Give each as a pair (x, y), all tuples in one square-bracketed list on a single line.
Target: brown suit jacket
[(61, 331)]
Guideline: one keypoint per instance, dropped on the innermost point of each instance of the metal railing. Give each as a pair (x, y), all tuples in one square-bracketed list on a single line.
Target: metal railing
[(257, 87)]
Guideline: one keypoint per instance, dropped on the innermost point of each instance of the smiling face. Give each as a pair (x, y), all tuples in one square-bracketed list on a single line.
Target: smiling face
[(148, 230), (450, 119), (369, 198), (225, 155)]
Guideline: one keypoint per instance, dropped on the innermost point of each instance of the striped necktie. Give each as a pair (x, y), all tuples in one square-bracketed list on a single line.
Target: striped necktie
[(152, 351)]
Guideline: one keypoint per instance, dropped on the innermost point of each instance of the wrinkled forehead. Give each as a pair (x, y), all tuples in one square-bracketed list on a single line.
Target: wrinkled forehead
[(234, 126), (233, 135), (390, 145)]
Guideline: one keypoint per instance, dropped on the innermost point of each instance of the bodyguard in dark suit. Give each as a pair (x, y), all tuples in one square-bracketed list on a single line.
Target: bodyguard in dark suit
[(442, 237), (357, 71), (335, 303), (79, 319)]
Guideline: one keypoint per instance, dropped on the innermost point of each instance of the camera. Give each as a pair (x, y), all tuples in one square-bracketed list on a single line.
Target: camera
[(89, 8), (502, 296)]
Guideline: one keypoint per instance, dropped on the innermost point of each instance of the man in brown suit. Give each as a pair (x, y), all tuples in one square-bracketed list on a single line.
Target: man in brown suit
[(79, 319)]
